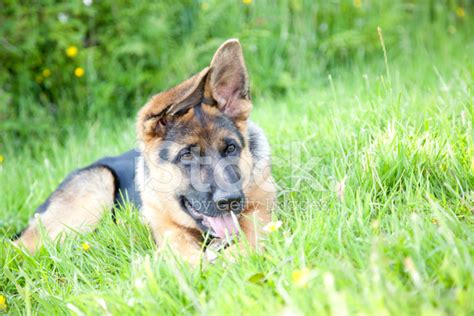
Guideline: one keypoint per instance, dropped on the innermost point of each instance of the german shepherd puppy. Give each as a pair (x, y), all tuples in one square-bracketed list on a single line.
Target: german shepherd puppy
[(202, 169)]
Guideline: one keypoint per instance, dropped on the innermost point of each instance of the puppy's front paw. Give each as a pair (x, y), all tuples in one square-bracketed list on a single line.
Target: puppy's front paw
[(193, 256), (215, 246), (220, 247)]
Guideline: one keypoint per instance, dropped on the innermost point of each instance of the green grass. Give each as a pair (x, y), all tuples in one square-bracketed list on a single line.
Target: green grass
[(401, 241)]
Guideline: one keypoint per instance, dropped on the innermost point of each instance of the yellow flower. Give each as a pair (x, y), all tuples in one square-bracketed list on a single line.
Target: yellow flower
[(85, 246), (2, 159), (375, 224), (3, 303), (301, 277), (79, 72), (72, 51), (357, 3), (460, 12), (272, 226), (46, 73), (247, 2)]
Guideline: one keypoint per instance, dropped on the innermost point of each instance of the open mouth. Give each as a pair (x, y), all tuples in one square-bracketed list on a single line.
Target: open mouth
[(219, 226)]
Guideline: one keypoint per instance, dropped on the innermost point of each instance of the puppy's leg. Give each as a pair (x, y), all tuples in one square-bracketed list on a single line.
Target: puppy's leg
[(184, 242), (258, 214), (76, 205), (252, 225)]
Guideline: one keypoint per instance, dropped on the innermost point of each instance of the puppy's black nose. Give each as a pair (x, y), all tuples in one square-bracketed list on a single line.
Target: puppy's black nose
[(229, 201)]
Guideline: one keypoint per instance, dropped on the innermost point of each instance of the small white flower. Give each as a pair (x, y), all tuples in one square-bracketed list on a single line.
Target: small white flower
[(323, 27), (139, 284), (87, 3), (63, 17)]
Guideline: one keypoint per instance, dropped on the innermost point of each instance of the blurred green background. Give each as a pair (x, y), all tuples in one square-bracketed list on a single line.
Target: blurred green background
[(67, 61)]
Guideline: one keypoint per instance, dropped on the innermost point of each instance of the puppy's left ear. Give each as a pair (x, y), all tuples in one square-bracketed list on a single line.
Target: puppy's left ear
[(228, 81)]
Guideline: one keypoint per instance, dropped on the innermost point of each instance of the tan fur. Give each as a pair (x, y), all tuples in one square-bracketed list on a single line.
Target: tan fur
[(78, 206), (227, 72), (164, 103), (260, 193)]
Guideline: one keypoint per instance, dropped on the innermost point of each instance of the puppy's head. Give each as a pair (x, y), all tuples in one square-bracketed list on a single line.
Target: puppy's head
[(196, 147)]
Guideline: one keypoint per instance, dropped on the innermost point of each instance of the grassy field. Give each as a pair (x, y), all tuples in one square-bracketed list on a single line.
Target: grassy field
[(375, 167)]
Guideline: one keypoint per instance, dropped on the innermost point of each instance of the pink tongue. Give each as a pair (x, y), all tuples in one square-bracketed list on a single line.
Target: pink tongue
[(223, 225)]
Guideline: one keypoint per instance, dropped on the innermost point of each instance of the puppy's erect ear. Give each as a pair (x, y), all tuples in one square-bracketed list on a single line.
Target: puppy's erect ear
[(228, 82), (155, 117)]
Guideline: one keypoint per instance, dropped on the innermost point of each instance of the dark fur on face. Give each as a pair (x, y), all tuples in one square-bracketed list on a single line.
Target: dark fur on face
[(206, 146)]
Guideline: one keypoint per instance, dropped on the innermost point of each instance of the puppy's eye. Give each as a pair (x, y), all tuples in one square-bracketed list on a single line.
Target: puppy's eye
[(230, 149), (186, 154)]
